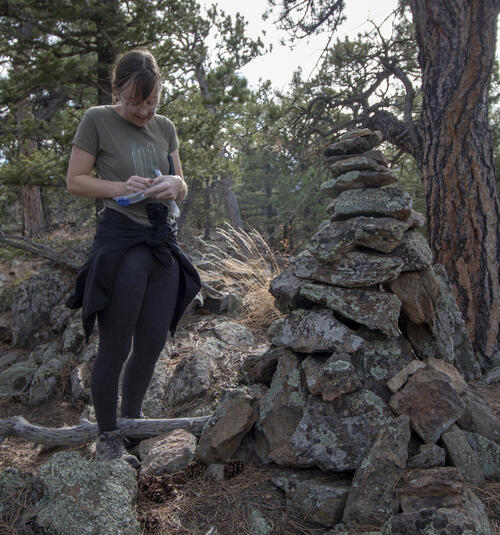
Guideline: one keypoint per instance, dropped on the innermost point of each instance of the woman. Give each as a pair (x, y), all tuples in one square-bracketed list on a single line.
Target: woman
[(136, 281)]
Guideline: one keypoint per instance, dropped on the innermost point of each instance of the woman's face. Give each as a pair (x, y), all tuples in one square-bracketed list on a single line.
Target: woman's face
[(136, 110)]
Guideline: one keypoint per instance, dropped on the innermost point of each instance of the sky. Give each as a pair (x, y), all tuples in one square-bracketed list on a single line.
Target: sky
[(279, 65)]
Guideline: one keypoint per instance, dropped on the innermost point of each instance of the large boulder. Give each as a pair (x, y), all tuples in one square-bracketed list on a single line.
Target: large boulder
[(432, 404), (33, 302), (318, 496), (285, 290), (261, 367), (17, 378), (487, 454), (167, 453), (337, 436), (478, 417), (463, 456), (414, 250), (378, 359), (233, 418), (235, 334), (87, 497), (372, 499), (330, 377), (191, 378), (281, 410)]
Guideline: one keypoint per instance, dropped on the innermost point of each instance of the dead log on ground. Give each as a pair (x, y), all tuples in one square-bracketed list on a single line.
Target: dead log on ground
[(86, 431), (40, 250)]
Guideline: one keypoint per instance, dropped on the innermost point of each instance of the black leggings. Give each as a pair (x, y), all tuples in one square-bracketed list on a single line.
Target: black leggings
[(138, 315)]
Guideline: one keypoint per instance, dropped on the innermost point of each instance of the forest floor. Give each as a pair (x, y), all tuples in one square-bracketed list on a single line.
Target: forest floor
[(190, 502)]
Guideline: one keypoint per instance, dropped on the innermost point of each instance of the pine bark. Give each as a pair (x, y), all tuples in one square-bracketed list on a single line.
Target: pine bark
[(456, 53)]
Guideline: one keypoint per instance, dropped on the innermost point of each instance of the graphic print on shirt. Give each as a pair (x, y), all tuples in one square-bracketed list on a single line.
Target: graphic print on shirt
[(145, 159)]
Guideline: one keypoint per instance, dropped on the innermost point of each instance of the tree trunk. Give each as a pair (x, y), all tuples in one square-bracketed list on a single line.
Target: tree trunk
[(456, 53), (33, 224), (187, 204), (233, 209), (208, 204)]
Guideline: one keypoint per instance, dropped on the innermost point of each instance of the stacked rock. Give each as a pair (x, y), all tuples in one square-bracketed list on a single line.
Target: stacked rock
[(370, 358)]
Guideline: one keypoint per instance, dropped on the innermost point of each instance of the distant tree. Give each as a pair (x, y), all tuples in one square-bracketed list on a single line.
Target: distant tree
[(57, 57), (444, 127)]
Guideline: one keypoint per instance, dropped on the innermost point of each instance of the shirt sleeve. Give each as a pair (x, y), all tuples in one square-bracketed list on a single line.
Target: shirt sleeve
[(169, 131), (87, 136)]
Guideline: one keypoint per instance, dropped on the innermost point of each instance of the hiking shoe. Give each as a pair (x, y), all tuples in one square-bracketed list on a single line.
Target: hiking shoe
[(110, 447)]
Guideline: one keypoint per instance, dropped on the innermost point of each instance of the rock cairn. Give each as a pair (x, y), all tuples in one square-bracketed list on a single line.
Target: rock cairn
[(367, 371)]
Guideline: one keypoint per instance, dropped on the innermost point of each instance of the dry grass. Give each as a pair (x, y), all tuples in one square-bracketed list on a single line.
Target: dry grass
[(491, 393), (193, 505), (490, 496), (19, 510), (245, 262)]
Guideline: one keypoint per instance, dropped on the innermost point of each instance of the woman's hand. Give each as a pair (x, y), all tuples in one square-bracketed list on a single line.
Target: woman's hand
[(137, 183), (166, 187)]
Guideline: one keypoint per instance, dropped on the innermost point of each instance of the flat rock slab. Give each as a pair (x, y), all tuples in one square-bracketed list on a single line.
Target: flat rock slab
[(281, 408), (167, 453), (87, 497), (414, 250), (376, 310), (372, 499), (432, 488), (354, 145), (336, 239), (315, 331), (337, 436), (357, 180), (431, 403), (318, 496), (355, 269), (355, 163), (391, 201), (233, 418), (330, 377)]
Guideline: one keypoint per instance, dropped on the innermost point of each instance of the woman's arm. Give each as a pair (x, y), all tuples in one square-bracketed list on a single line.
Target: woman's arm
[(80, 182)]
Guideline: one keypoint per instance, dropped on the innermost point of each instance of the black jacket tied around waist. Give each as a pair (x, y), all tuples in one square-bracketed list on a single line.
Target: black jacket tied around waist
[(115, 235)]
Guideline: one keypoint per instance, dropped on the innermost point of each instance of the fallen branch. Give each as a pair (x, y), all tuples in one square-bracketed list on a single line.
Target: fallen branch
[(86, 431), (40, 250)]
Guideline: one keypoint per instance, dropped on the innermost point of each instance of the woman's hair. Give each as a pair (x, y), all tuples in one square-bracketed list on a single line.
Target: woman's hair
[(139, 68)]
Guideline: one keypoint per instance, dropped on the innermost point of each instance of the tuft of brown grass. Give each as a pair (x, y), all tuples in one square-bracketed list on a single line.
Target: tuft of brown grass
[(182, 505), (244, 262)]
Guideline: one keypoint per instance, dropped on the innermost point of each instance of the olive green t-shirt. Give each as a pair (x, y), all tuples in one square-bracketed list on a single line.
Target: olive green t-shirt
[(122, 149)]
